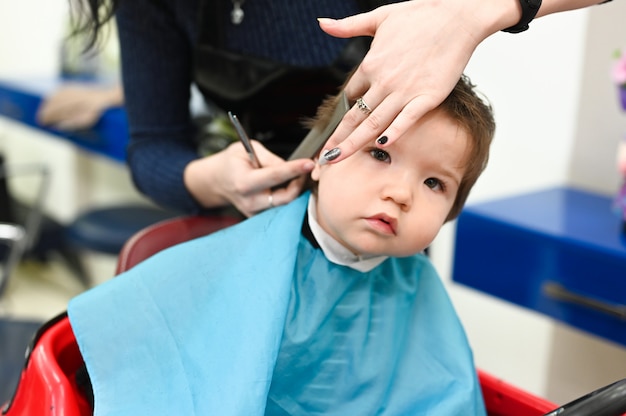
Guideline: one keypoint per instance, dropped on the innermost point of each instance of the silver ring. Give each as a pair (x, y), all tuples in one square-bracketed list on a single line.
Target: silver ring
[(362, 106), (270, 200)]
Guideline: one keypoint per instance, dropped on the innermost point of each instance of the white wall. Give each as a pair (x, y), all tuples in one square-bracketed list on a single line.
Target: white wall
[(31, 32), (601, 123), (557, 124)]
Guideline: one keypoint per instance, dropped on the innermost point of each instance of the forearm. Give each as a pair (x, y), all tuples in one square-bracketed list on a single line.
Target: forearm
[(157, 168), (200, 179), (555, 6), (156, 68), (494, 15)]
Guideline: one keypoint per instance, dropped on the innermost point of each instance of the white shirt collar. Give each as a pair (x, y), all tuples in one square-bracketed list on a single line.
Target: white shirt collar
[(335, 251)]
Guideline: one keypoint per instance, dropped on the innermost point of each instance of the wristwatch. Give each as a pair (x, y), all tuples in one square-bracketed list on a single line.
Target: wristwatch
[(529, 11)]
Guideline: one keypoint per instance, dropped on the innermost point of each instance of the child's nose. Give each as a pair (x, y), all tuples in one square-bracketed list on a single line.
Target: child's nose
[(400, 191)]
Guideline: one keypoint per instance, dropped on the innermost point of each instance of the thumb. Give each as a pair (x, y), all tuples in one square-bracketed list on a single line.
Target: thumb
[(363, 24)]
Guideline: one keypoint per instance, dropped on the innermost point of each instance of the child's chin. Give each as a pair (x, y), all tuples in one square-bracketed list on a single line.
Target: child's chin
[(368, 245), (365, 251)]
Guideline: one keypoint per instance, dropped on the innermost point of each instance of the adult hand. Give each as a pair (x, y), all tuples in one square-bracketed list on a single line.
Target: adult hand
[(77, 106), (419, 51), (228, 177)]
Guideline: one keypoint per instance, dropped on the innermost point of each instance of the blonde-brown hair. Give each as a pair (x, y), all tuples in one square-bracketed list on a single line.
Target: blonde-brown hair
[(472, 113), (475, 115)]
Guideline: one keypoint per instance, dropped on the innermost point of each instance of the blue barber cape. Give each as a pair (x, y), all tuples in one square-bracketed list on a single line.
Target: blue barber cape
[(254, 320)]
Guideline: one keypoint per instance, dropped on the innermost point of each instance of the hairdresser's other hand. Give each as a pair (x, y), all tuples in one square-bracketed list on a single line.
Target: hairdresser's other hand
[(419, 51), (78, 106), (228, 177)]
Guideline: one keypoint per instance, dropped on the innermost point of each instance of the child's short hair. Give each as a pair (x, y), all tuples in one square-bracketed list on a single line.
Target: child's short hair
[(475, 115), (471, 112)]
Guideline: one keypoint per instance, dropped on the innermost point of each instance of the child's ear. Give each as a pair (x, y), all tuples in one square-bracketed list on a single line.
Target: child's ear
[(315, 173)]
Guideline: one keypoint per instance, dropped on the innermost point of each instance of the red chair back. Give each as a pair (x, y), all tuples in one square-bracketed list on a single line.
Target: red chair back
[(504, 399), (164, 234), (47, 385)]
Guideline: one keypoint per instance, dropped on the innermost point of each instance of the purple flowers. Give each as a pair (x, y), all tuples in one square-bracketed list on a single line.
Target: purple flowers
[(618, 72), (619, 69)]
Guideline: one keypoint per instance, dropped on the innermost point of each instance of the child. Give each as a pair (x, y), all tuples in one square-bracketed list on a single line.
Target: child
[(333, 315)]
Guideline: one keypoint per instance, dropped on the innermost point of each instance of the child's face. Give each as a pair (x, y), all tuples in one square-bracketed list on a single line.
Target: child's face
[(394, 201)]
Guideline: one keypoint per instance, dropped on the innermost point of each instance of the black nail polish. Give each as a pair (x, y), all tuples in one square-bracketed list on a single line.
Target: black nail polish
[(332, 154), (382, 140)]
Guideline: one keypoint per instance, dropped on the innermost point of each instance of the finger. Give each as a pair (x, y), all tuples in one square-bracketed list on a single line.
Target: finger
[(53, 116), (352, 119), (396, 119), (356, 88), (282, 196), (409, 115), (358, 129), (275, 197), (296, 167), (68, 125), (275, 175), (266, 201), (42, 117), (254, 203), (357, 85), (48, 113), (362, 24), (55, 111), (78, 121)]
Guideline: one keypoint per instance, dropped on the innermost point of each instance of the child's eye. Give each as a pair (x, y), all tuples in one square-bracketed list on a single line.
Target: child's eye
[(435, 184), (380, 154)]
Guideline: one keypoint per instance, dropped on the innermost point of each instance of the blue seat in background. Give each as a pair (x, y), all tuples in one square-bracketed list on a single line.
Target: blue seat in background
[(106, 229)]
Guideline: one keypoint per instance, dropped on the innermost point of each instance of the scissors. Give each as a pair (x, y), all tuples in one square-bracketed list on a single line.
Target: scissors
[(243, 136), (310, 146)]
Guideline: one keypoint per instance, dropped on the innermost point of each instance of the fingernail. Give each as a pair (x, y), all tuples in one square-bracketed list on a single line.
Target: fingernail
[(382, 140), (332, 154), (326, 20), (329, 155), (308, 166)]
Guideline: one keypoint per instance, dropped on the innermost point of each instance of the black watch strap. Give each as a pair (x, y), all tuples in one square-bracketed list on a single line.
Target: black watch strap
[(529, 11)]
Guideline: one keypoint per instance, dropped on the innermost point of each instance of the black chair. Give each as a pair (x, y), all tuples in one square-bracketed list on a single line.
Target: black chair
[(27, 232), (105, 229)]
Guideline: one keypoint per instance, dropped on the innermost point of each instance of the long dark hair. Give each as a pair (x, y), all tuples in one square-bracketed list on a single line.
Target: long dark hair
[(90, 16)]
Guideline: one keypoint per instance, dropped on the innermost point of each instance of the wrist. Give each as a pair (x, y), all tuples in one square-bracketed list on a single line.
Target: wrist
[(529, 9), (497, 15), (197, 178)]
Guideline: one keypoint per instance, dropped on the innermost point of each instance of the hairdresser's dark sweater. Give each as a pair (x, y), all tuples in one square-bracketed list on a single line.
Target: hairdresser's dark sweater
[(156, 44)]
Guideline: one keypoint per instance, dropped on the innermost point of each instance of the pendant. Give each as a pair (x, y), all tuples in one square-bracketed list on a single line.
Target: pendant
[(236, 15)]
